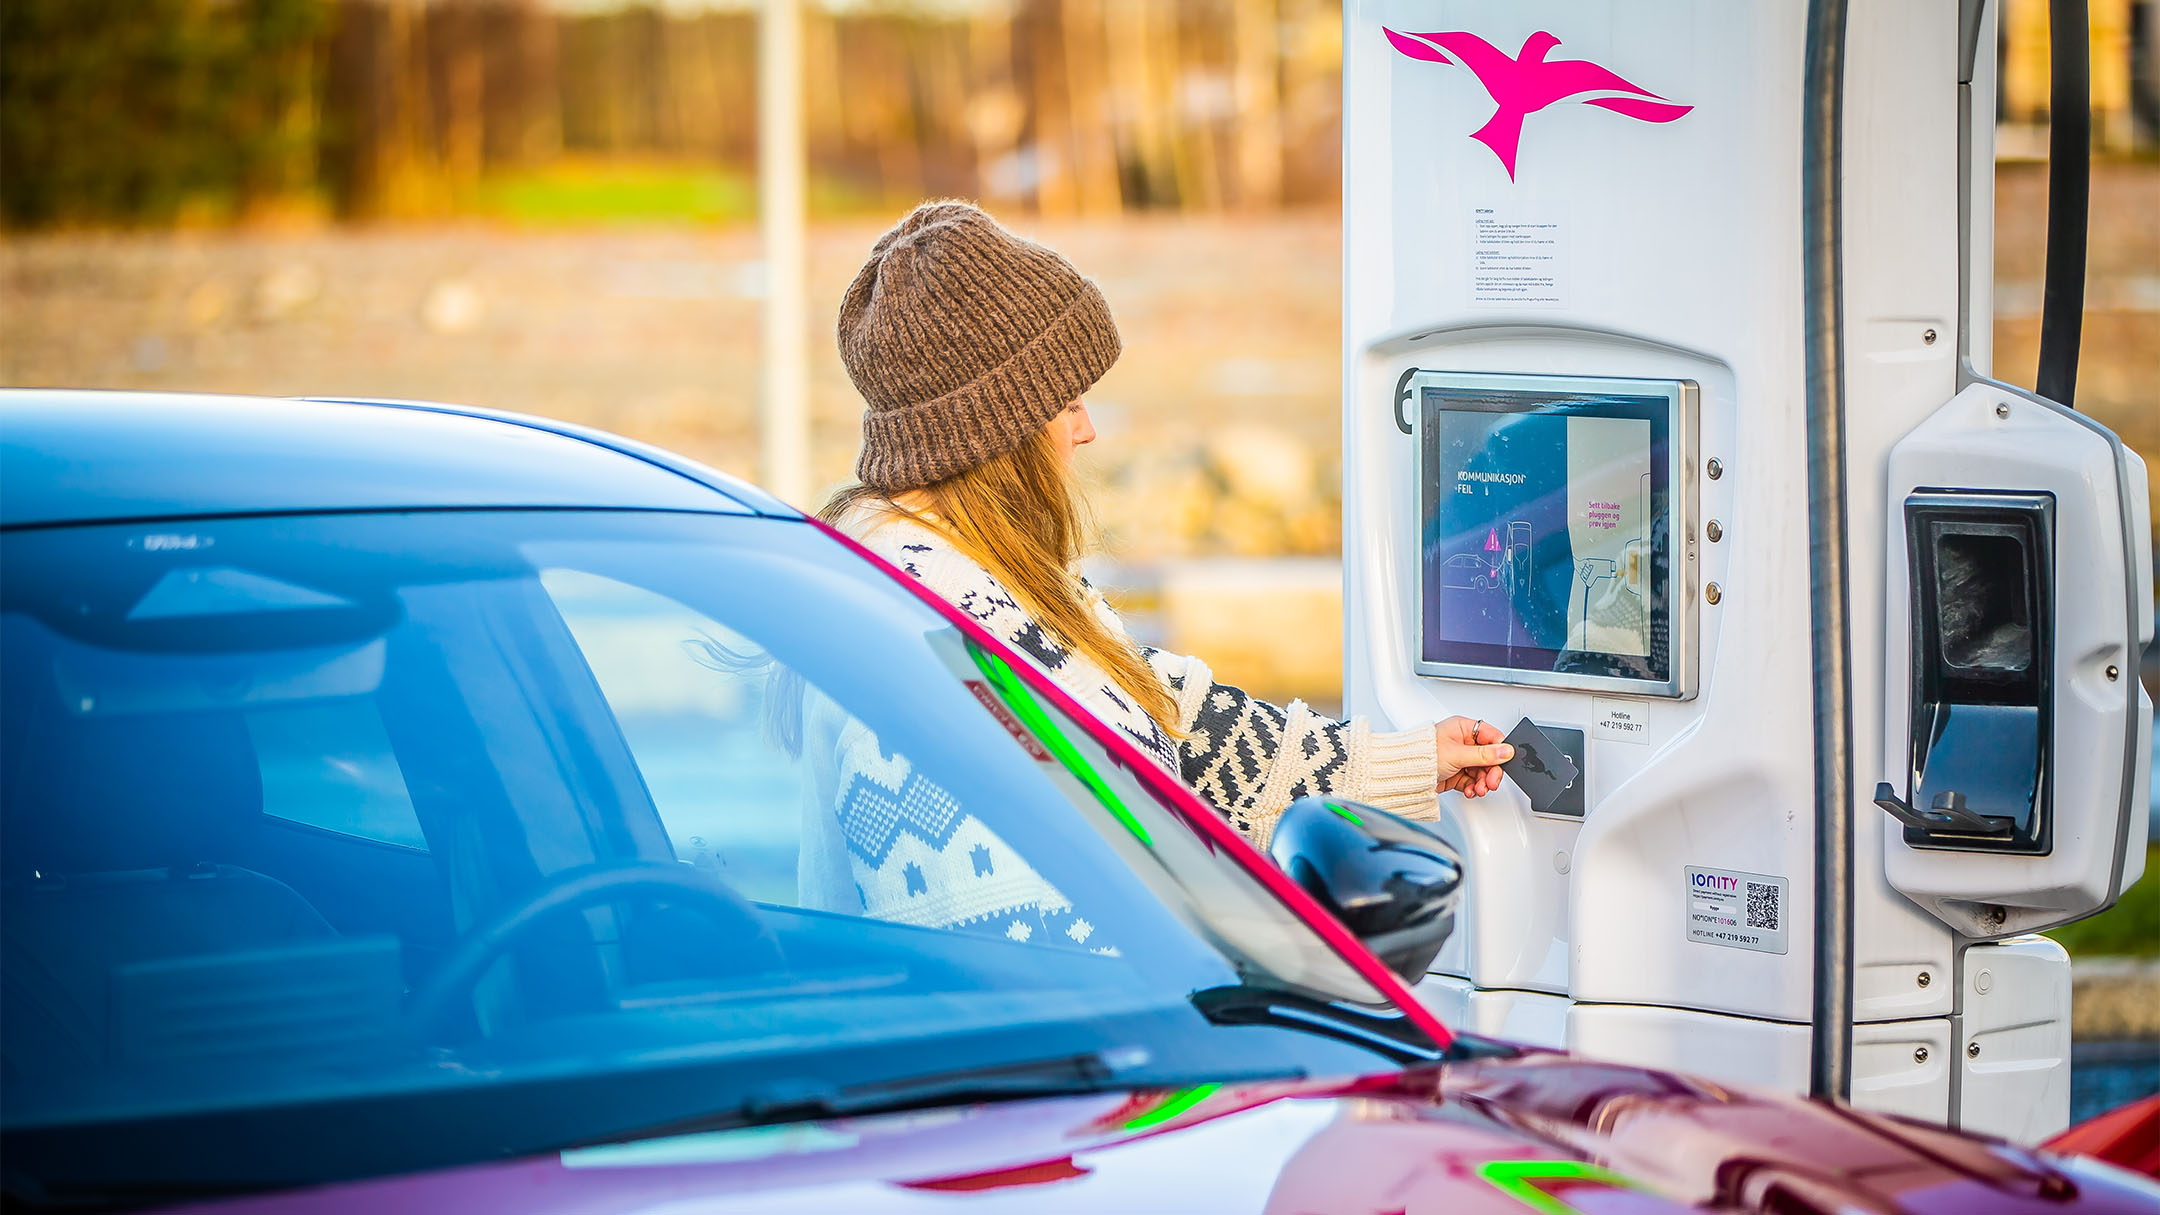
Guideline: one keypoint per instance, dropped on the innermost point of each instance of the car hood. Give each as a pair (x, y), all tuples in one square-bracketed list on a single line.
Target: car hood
[(1546, 1133)]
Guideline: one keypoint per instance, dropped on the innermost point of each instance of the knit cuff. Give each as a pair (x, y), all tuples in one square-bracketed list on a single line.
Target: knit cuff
[(1400, 770)]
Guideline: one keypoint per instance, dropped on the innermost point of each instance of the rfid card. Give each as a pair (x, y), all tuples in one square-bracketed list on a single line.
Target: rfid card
[(1540, 768)]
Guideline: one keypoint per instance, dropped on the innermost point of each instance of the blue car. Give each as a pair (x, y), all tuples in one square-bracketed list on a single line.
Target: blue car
[(391, 786), (406, 808)]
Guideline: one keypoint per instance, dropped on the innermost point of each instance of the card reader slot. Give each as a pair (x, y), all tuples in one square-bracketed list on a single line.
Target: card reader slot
[(1982, 566)]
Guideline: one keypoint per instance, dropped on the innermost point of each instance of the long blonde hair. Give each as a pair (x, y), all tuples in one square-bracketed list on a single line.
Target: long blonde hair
[(1020, 517)]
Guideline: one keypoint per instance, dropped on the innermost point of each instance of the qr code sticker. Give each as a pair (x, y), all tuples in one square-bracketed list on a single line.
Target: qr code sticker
[(1762, 905)]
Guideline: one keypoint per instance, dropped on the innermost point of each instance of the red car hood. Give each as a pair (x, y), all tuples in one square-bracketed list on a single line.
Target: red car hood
[(1542, 1134)]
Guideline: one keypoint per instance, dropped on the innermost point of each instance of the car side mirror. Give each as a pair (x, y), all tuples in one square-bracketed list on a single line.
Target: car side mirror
[(1392, 882)]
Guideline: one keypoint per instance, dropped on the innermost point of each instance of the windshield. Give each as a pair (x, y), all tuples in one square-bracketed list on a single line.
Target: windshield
[(354, 844)]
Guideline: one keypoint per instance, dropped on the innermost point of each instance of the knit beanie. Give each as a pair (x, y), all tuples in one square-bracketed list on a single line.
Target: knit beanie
[(964, 340)]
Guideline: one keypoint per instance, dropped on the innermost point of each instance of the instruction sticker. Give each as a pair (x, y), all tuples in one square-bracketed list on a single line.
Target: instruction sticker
[(1738, 910), (1625, 721), (1518, 257)]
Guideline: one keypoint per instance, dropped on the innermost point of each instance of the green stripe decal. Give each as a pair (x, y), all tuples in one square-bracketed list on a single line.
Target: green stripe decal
[(1173, 1105), (1517, 1179), (1022, 702), (1339, 809)]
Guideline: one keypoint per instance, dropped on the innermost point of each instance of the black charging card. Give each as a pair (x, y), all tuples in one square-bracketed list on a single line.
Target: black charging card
[(1540, 768)]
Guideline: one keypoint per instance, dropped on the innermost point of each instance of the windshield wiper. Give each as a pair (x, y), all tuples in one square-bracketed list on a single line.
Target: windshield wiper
[(1086, 1072), (1396, 1037), (807, 1100), (1126, 1067)]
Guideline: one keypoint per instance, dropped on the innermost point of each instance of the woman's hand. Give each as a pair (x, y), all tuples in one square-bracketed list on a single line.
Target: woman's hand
[(1470, 755)]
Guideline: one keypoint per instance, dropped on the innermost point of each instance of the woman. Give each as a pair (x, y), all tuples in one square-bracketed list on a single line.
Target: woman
[(973, 350)]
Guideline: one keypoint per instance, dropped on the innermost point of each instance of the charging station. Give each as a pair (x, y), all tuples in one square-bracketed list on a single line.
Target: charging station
[(1576, 490)]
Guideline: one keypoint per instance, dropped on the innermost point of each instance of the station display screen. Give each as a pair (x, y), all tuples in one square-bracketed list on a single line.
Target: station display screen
[(1546, 529)]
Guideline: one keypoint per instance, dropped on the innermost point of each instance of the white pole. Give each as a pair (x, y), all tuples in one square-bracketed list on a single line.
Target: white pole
[(784, 407)]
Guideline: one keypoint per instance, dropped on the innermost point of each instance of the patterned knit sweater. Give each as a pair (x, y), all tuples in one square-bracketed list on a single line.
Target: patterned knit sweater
[(1245, 757), (881, 838)]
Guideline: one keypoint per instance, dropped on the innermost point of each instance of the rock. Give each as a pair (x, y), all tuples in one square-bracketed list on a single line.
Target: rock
[(1314, 529), (1251, 491), (207, 304), (452, 306), (2115, 998), (148, 353), (1264, 465), (1273, 627), (1158, 504), (1243, 527), (286, 290)]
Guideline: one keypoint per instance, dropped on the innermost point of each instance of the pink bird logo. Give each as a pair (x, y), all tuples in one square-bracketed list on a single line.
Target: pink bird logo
[(1529, 82)]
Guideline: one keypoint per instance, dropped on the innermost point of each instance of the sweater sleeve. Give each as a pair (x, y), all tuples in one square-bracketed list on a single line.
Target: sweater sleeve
[(1251, 759), (1245, 757)]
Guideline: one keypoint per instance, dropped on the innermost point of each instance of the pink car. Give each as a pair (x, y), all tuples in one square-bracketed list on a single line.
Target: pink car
[(407, 808)]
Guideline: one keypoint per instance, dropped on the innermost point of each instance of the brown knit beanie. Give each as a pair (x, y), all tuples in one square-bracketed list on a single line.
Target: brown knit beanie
[(964, 340)]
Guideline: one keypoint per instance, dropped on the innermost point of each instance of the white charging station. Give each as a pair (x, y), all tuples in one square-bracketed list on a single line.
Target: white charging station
[(1575, 490)]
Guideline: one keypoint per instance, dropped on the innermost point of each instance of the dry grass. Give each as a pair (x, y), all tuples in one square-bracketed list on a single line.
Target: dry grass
[(649, 332)]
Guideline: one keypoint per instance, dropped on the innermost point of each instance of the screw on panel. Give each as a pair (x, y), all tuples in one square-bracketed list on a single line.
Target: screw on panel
[(1972, 1051), (1716, 531), (1924, 980), (1928, 337), (1919, 1054), (2002, 409), (2113, 673), (1715, 468), (1712, 593)]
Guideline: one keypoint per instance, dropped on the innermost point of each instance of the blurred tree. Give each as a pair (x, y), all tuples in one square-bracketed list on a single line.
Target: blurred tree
[(457, 84), (380, 156), (134, 110), (1137, 70), (131, 111), (524, 96), (1255, 35)]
